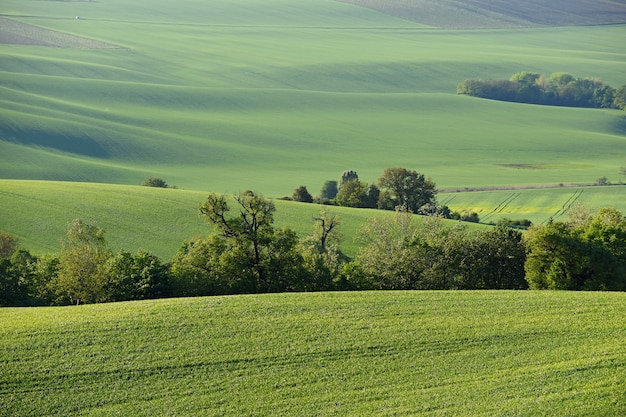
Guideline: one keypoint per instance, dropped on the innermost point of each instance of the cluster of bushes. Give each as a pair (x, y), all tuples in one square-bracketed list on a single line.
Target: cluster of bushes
[(396, 187), (559, 89), (247, 254)]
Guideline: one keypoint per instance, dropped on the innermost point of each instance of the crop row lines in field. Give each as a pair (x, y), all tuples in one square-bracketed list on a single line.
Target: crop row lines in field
[(500, 207), (566, 206)]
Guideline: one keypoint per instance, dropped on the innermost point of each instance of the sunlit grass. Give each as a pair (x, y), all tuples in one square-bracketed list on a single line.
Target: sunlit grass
[(358, 354)]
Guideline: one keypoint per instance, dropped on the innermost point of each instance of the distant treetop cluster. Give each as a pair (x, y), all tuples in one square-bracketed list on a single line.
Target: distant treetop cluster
[(559, 89)]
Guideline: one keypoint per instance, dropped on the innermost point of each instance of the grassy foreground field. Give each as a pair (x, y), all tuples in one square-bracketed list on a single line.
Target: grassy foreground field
[(320, 354)]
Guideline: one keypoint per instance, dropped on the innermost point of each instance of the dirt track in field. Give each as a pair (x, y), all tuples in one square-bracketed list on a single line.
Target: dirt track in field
[(501, 13), (17, 33)]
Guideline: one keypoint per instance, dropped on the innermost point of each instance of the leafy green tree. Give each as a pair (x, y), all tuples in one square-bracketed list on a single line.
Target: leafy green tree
[(498, 259), (82, 265), (200, 268), (587, 254), (155, 182), (302, 194), (444, 251), (556, 258), (407, 188), (354, 194), (8, 245), (329, 190), (254, 249), (619, 100), (529, 91), (390, 258), (17, 279), (136, 277), (323, 260), (606, 234), (347, 176)]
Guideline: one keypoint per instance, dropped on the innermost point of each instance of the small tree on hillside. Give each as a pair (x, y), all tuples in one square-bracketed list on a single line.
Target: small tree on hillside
[(406, 188), (329, 190), (347, 176), (155, 182), (302, 194), (8, 245)]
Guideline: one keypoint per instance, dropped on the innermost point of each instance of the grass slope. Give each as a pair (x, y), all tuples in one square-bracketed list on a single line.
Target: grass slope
[(229, 95), (134, 217), (480, 353), (501, 13), (159, 220)]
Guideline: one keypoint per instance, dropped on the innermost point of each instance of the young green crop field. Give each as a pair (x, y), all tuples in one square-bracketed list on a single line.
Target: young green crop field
[(153, 219), (159, 220), (231, 95), (482, 353), (536, 205), (269, 95)]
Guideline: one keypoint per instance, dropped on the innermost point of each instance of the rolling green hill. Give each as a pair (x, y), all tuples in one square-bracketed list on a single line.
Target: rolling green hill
[(480, 353), (271, 95), (159, 220), (154, 219)]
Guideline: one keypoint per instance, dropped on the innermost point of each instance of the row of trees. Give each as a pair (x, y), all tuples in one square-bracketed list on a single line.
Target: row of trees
[(559, 89), (397, 187), (247, 254)]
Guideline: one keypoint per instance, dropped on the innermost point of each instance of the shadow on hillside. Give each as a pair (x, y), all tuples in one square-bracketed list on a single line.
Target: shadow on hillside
[(60, 142), (619, 127)]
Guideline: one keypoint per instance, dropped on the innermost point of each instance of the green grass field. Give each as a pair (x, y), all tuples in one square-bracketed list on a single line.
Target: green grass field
[(537, 205), (233, 95), (482, 353), (154, 219), (159, 220)]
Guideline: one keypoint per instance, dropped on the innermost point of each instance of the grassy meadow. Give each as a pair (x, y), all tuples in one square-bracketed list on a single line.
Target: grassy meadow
[(154, 219), (159, 220), (483, 353)]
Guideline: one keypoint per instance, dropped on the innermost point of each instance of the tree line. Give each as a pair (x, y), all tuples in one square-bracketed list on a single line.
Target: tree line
[(396, 187), (246, 253), (558, 89)]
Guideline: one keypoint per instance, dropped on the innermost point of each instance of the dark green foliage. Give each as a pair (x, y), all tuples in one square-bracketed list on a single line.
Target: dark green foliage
[(516, 224), (302, 194), (155, 182), (24, 279), (136, 277), (261, 258), (8, 245), (347, 176), (400, 255), (619, 100), (321, 256), (355, 193), (587, 254), (560, 89), (407, 188), (470, 217), (329, 190)]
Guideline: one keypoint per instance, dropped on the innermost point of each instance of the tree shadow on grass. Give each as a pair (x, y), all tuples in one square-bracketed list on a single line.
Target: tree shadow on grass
[(619, 127), (78, 145)]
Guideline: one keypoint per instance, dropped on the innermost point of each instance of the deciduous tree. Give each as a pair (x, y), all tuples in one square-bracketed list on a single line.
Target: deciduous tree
[(407, 188), (82, 265)]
